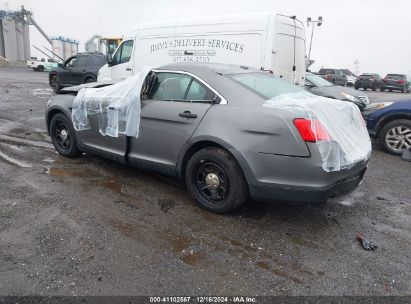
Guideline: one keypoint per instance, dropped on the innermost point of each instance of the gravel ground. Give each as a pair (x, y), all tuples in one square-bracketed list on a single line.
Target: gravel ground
[(90, 226)]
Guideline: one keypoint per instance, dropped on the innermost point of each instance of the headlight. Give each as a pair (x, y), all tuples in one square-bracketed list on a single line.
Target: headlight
[(379, 105), (350, 97)]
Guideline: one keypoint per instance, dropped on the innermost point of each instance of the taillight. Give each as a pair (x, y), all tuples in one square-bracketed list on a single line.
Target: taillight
[(328, 77), (311, 130), (400, 81), (385, 80)]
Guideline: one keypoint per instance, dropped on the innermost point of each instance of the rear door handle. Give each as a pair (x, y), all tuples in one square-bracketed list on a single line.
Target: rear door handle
[(187, 114), (128, 69)]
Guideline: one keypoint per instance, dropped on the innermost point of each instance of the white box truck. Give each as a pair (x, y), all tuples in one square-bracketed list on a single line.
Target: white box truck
[(265, 41)]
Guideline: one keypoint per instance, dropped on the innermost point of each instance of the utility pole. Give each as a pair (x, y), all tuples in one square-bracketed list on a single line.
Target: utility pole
[(313, 23), (356, 67)]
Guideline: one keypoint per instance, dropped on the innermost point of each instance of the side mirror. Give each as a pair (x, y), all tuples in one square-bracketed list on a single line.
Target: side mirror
[(308, 85), (109, 59)]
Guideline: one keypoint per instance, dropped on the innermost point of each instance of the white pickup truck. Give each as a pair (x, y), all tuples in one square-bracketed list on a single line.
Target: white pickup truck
[(41, 65)]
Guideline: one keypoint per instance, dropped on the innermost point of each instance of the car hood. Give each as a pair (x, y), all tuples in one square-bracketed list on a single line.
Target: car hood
[(336, 92), (75, 89)]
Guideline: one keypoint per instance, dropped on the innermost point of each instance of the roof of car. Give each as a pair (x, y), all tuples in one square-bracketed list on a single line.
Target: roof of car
[(219, 68)]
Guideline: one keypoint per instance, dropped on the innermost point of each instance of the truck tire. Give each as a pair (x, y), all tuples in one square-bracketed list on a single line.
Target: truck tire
[(55, 83)]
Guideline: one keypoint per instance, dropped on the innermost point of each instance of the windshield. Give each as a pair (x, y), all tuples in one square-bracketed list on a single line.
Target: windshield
[(317, 80), (265, 84)]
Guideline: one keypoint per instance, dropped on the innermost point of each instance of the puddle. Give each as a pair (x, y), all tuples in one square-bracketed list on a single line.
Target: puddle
[(14, 161), (70, 172), (125, 229), (42, 93), (29, 142), (192, 257)]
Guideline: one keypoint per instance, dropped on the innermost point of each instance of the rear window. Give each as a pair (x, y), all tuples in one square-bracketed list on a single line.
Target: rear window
[(97, 61), (327, 71), (264, 84), (395, 76), (366, 76)]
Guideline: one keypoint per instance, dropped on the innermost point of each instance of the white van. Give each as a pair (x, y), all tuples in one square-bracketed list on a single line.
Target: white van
[(262, 40)]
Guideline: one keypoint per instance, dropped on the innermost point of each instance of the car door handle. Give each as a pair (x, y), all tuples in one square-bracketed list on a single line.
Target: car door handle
[(187, 114), (128, 69)]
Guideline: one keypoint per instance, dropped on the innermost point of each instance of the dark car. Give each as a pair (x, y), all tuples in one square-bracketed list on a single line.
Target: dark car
[(395, 82), (319, 86), (78, 69), (390, 124), (336, 76), (209, 124), (368, 81)]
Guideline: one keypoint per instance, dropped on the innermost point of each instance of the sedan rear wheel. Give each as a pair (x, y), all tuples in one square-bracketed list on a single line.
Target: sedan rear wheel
[(395, 136), (63, 136), (215, 180)]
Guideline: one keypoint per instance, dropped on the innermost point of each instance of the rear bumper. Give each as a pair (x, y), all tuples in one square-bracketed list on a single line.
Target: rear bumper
[(393, 86), (273, 177), (268, 193)]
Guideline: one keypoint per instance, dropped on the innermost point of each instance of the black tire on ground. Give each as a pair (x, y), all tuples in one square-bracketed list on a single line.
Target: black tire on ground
[(356, 87), (386, 129), (382, 89), (55, 83), (206, 165), (365, 89), (35, 69), (374, 88), (89, 79), (40, 68), (63, 136), (404, 89), (390, 90)]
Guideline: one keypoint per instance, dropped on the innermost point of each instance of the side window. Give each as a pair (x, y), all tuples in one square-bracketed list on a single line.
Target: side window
[(170, 87), (96, 61), (117, 56), (127, 50), (82, 61), (199, 92), (71, 62)]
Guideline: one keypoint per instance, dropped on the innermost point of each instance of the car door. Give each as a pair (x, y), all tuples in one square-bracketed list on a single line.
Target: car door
[(169, 117), (66, 70), (78, 71), (121, 65)]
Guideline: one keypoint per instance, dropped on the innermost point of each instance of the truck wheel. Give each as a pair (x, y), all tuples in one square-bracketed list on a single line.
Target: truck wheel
[(382, 89), (404, 89), (215, 180), (63, 136), (55, 83), (89, 79), (395, 136), (374, 88), (40, 68)]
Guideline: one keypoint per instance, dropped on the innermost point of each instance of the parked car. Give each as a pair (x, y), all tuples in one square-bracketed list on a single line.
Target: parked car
[(351, 77), (81, 68), (335, 76), (41, 65), (319, 86), (395, 82), (390, 124), (206, 124), (368, 81)]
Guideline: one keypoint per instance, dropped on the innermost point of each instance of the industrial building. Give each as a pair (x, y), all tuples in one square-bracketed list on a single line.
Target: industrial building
[(15, 38)]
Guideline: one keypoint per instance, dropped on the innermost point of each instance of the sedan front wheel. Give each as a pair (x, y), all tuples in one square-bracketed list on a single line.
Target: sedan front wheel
[(395, 136), (63, 136), (215, 180)]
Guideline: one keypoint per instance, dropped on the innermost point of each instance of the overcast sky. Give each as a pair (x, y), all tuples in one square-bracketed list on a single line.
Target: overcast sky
[(377, 33)]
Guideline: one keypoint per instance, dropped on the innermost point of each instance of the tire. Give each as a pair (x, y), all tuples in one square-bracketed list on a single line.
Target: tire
[(215, 180), (89, 79), (35, 69), (382, 89), (374, 88), (392, 130), (63, 136), (365, 89), (404, 89), (390, 90), (55, 83), (356, 87), (40, 68)]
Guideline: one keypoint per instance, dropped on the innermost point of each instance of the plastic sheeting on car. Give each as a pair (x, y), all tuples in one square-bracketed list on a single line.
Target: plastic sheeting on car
[(348, 142), (118, 106)]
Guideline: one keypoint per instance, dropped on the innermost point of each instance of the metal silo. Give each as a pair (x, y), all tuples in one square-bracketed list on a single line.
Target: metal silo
[(57, 47), (9, 36), (67, 48), (26, 41), (74, 48), (19, 40), (2, 54)]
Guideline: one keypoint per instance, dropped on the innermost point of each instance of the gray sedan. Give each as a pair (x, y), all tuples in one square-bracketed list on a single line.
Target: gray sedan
[(319, 86), (205, 124)]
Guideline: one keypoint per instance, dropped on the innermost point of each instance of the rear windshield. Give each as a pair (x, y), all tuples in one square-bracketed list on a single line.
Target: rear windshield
[(327, 71), (264, 84), (347, 72), (366, 76), (395, 76)]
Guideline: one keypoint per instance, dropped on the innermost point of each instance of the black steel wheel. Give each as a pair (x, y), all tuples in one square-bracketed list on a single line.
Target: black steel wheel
[(55, 83), (63, 136), (215, 180)]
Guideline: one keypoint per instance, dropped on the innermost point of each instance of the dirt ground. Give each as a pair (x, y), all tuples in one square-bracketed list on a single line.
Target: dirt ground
[(90, 226)]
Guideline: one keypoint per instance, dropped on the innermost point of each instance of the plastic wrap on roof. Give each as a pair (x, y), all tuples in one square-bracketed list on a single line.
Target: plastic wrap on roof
[(348, 143), (118, 106)]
